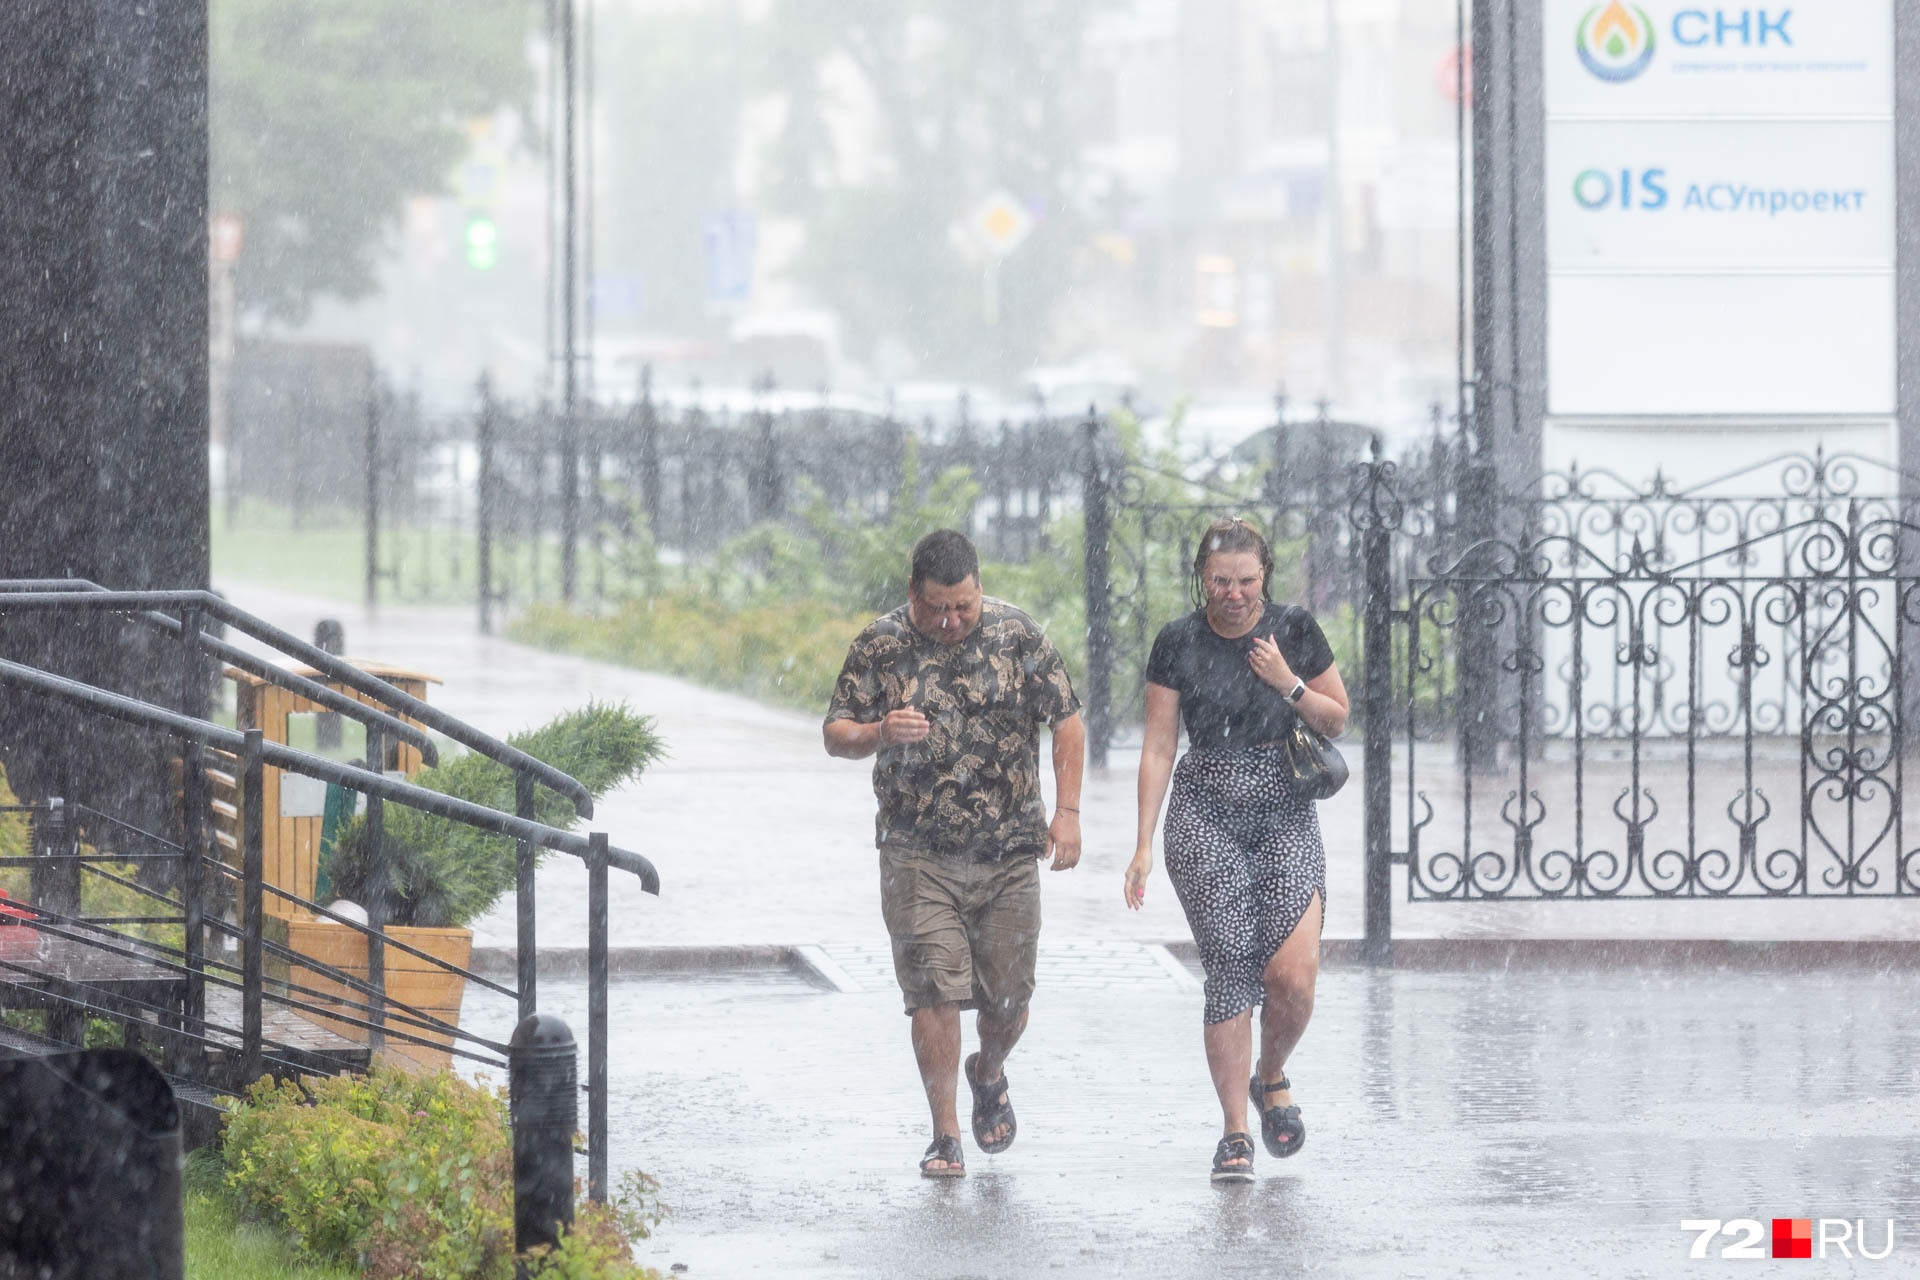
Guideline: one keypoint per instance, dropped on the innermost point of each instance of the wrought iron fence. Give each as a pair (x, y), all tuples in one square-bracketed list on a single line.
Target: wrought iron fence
[(1694, 691)]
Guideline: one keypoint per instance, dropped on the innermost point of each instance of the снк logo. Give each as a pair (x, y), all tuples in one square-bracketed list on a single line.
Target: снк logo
[(1615, 42)]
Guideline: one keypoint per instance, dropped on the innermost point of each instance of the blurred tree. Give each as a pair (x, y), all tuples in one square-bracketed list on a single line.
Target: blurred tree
[(669, 84), (900, 118), (326, 115)]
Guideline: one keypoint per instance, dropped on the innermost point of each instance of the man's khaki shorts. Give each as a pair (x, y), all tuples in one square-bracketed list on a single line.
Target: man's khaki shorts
[(964, 932)]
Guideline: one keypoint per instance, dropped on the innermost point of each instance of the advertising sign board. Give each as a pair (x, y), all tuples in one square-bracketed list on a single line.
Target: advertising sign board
[(1720, 208)]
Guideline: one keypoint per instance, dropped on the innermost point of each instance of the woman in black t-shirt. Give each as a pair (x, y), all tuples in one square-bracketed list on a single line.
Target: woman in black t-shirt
[(1243, 848)]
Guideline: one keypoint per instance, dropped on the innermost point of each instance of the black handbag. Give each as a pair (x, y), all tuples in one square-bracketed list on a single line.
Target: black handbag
[(1318, 768)]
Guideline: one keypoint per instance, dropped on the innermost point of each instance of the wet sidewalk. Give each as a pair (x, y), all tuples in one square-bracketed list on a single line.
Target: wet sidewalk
[(1467, 1122), (1459, 1124)]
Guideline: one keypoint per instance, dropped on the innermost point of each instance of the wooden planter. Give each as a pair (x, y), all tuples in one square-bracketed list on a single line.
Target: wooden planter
[(410, 980)]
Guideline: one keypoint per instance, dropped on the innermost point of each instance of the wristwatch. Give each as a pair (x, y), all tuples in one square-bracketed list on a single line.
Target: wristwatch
[(1298, 691)]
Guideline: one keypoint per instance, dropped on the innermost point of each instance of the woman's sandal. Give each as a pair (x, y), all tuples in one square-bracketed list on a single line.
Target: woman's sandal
[(1235, 1146), (945, 1148), (1280, 1127), (990, 1113)]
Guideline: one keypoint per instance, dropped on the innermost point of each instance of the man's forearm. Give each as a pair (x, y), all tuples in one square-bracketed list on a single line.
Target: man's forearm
[(852, 740), (1069, 760)]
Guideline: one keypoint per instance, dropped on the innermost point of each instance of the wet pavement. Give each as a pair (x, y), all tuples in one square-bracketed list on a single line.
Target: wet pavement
[(1459, 1124), (1557, 1122)]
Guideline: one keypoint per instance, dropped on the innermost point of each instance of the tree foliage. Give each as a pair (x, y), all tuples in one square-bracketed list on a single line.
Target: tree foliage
[(327, 115), (900, 118)]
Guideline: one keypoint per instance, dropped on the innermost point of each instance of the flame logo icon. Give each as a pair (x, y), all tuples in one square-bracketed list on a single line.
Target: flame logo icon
[(1615, 41)]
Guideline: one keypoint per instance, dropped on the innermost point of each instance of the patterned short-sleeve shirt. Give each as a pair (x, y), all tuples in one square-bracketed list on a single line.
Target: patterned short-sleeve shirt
[(971, 788)]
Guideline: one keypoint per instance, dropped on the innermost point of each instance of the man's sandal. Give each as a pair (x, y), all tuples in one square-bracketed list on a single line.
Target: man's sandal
[(989, 1113), (1235, 1146), (945, 1148), (1280, 1127)]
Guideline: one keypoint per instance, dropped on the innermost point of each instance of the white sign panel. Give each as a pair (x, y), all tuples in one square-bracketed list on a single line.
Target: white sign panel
[(1821, 59), (1688, 195), (1720, 208)]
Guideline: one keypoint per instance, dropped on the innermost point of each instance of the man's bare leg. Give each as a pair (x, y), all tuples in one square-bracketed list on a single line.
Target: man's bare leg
[(998, 1035), (1229, 1060), (936, 1047), (1289, 978)]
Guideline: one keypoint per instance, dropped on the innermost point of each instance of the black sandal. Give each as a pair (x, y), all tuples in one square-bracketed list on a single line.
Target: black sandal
[(946, 1148), (1280, 1127), (989, 1115), (1235, 1146)]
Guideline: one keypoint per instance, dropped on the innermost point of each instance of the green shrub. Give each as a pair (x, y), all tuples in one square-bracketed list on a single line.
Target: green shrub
[(443, 872), (781, 650), (403, 1176)]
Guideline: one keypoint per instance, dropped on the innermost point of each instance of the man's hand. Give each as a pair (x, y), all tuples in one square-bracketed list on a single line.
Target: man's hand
[(904, 726), (1063, 841), (1270, 665)]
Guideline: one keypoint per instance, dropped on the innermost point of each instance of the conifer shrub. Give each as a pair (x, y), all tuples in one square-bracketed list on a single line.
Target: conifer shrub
[(442, 872)]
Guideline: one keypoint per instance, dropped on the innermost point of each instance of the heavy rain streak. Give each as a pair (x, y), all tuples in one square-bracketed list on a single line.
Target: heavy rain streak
[(876, 638)]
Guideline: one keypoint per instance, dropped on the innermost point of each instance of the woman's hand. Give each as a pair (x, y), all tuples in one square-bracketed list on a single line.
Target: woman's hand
[(1137, 872), (1271, 665)]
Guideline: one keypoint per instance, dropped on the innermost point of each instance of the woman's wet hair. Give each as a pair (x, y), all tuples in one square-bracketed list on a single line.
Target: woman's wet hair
[(1231, 534)]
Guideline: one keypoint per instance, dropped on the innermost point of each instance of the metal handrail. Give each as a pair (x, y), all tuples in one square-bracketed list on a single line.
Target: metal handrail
[(254, 754), (332, 699), (104, 599), (292, 760)]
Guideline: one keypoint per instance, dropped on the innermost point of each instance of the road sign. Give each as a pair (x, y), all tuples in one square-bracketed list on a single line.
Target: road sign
[(732, 237), (1000, 223)]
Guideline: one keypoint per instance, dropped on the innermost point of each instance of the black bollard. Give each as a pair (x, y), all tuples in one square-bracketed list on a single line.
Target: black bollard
[(90, 1186), (543, 1099)]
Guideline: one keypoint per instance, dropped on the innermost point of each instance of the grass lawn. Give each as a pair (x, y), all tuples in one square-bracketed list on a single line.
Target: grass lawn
[(223, 1245), (325, 554)]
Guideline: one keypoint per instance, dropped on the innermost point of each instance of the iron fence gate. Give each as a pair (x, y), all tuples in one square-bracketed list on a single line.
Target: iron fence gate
[(1653, 693)]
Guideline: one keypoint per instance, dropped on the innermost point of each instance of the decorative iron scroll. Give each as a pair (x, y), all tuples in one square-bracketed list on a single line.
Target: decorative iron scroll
[(1698, 694)]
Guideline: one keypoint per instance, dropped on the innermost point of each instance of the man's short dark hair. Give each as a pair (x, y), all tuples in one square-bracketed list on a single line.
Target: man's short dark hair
[(945, 556)]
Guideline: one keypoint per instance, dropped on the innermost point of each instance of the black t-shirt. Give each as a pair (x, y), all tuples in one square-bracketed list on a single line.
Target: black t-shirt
[(1223, 703)]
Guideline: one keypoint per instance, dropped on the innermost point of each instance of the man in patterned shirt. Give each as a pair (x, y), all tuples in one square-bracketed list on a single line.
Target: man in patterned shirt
[(950, 691)]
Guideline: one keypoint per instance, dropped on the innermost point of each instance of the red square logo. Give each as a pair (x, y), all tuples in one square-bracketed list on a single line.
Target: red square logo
[(1793, 1237)]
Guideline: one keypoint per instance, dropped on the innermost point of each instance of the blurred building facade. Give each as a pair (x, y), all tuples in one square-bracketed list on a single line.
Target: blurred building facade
[(1275, 189)]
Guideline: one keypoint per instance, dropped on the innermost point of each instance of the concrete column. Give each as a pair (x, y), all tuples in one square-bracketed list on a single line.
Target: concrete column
[(103, 311)]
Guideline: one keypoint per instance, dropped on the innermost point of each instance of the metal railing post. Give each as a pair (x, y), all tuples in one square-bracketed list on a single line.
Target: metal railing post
[(193, 800), (543, 1101), (1099, 591), (1375, 514), (649, 455), (525, 860), (1377, 901), (55, 882), (252, 870), (376, 903), (483, 512), (597, 1016), (372, 513)]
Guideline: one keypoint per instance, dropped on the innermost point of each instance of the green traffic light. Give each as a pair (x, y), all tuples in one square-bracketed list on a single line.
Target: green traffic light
[(483, 243)]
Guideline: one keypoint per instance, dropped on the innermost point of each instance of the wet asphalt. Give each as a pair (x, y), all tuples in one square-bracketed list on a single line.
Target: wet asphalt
[(1524, 1123), (1459, 1124)]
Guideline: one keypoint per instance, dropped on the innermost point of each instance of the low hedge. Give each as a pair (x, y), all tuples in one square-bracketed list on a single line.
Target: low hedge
[(411, 1176)]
